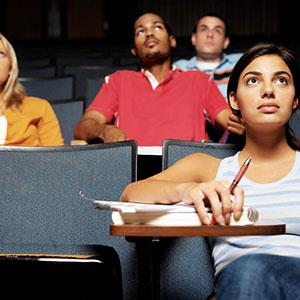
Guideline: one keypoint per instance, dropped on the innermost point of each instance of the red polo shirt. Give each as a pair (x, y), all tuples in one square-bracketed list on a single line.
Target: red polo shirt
[(173, 110)]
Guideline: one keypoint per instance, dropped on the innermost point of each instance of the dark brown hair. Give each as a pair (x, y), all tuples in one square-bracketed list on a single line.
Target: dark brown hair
[(265, 49)]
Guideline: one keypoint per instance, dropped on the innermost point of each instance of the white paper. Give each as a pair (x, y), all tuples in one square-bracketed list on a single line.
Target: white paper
[(142, 207), (3, 129)]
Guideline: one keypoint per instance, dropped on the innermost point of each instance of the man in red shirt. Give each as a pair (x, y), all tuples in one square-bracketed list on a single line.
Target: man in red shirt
[(157, 102)]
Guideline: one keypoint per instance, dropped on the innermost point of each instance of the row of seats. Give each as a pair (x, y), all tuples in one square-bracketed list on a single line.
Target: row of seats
[(80, 73), (118, 56), (70, 92), (73, 57), (44, 215), (60, 92)]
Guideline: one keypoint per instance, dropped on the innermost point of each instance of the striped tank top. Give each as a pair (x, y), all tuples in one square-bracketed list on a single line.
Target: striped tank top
[(279, 200)]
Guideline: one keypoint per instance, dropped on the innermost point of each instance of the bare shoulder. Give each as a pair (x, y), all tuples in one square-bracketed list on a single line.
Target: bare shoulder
[(198, 167)]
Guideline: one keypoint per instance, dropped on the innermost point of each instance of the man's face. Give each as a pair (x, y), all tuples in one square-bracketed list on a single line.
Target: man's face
[(209, 39), (151, 38)]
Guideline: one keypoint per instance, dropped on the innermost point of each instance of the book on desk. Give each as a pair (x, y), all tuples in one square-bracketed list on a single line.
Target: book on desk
[(179, 214)]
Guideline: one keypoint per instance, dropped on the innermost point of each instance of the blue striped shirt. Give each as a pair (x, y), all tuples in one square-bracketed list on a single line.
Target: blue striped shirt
[(279, 200)]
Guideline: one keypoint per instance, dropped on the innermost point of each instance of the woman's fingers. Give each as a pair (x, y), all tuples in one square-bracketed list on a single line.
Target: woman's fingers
[(238, 203), (218, 197)]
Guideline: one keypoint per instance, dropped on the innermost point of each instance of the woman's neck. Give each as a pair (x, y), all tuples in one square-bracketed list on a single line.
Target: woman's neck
[(272, 157), (266, 144)]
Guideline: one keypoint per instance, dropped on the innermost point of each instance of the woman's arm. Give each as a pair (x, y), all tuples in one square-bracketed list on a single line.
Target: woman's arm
[(190, 180), (49, 131)]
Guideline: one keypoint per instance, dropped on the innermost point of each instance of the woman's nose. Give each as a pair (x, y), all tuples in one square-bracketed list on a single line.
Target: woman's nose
[(268, 91)]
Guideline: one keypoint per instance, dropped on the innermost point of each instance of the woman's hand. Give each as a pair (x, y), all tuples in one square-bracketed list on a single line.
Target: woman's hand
[(216, 195)]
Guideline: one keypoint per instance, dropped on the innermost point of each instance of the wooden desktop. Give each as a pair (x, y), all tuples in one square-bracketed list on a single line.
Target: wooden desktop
[(260, 228), (147, 239)]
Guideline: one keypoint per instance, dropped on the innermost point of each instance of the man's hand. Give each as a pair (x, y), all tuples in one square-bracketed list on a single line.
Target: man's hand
[(113, 134), (236, 124)]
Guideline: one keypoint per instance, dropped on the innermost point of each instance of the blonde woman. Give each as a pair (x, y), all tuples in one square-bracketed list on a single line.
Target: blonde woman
[(24, 120)]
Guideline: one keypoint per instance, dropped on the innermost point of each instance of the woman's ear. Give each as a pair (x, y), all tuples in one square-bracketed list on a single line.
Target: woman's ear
[(295, 104), (233, 104), (232, 101)]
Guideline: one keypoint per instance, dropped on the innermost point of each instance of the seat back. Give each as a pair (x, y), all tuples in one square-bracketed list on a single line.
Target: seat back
[(295, 124), (68, 112), (46, 71), (82, 72), (93, 85), (173, 150), (43, 212), (55, 88), (187, 270), (84, 59), (33, 62)]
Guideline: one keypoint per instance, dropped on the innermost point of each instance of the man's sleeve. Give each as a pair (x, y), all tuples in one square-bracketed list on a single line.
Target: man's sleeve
[(106, 100)]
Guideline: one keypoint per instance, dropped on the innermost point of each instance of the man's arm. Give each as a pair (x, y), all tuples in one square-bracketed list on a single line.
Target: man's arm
[(93, 126), (228, 121)]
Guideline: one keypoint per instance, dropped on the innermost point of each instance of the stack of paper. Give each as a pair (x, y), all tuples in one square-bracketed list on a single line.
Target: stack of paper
[(179, 214)]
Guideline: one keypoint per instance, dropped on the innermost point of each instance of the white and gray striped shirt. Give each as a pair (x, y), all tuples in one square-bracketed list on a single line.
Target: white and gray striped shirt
[(278, 200)]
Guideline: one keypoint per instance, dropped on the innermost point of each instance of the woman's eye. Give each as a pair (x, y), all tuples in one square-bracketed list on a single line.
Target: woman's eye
[(252, 81), (282, 81)]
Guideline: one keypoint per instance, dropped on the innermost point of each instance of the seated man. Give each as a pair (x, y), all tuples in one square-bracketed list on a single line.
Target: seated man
[(157, 102), (210, 38)]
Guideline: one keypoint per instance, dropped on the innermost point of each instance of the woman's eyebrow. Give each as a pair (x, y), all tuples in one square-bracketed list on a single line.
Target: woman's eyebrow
[(252, 73), (283, 73), (256, 73)]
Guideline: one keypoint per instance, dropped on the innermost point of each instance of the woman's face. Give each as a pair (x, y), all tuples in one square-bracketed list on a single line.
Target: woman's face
[(4, 65), (265, 93)]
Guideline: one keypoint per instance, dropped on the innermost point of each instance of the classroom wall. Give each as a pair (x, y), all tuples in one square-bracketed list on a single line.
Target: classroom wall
[(75, 19)]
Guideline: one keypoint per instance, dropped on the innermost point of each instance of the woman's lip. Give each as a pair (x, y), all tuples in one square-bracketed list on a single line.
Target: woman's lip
[(268, 107)]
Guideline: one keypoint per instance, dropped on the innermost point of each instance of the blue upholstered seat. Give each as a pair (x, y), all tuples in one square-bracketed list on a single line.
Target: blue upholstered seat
[(48, 88), (42, 211), (68, 112), (186, 269), (82, 72)]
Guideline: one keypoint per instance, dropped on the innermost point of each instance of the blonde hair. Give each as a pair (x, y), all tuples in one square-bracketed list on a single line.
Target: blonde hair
[(13, 91)]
